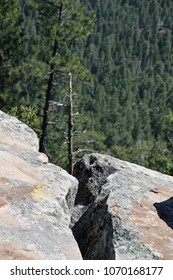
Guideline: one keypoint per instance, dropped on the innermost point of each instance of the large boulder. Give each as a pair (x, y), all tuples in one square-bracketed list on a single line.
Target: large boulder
[(122, 210), (36, 198)]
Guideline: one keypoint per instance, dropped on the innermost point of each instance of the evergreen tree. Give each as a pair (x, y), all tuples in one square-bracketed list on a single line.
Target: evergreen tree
[(10, 40), (65, 22)]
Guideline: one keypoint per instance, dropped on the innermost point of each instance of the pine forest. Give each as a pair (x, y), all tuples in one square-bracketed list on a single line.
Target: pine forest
[(91, 76)]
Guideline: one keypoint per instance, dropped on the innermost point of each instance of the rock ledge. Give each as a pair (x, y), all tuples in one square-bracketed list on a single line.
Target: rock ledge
[(34, 213), (138, 210)]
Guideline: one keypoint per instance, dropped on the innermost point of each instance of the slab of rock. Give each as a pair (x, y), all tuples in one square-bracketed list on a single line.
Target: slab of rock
[(36, 198), (122, 210)]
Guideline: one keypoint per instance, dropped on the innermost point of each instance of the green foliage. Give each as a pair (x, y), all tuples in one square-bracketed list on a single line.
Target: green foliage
[(131, 59), (10, 39), (124, 99), (27, 115), (153, 155)]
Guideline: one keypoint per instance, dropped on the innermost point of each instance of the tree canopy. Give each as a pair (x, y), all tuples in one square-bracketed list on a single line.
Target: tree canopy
[(125, 104)]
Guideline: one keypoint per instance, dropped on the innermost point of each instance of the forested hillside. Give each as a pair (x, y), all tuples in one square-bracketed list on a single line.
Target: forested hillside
[(122, 67), (131, 57)]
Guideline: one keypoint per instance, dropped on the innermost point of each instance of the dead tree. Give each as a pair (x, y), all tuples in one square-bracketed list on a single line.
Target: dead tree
[(70, 126)]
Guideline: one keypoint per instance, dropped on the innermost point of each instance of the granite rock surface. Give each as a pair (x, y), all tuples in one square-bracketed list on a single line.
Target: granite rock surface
[(36, 199), (119, 211), (122, 210)]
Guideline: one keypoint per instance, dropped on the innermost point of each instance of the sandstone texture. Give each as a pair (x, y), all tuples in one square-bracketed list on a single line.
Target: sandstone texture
[(122, 210), (36, 199)]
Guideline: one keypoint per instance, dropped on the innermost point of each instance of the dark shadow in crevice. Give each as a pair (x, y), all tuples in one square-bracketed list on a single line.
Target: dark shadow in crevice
[(94, 232), (165, 211)]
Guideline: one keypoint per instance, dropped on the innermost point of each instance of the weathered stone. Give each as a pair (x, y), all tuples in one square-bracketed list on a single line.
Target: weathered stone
[(36, 198), (139, 207)]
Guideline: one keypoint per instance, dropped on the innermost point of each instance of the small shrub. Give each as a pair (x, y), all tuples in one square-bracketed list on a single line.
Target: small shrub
[(27, 115)]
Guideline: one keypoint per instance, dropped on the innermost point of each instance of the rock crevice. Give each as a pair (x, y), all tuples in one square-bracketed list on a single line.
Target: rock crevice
[(91, 222), (121, 210)]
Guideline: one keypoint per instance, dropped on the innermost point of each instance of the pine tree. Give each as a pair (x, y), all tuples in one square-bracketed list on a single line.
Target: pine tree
[(10, 32), (62, 23)]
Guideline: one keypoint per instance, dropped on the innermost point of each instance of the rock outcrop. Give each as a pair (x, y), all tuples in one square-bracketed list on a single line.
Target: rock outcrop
[(119, 211), (122, 210), (35, 199)]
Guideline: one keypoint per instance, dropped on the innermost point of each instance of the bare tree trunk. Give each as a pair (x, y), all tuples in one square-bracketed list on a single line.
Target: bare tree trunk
[(70, 126), (46, 107), (49, 92)]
